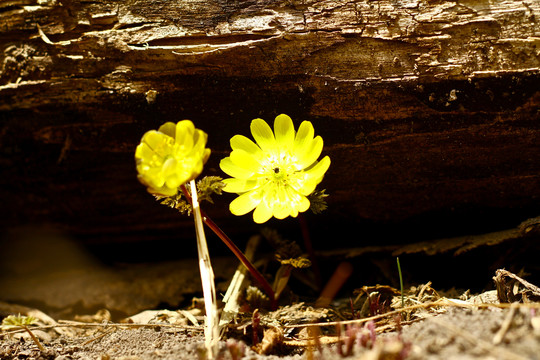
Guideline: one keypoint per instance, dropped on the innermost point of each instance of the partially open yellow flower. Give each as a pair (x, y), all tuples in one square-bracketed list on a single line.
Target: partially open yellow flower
[(171, 156), (275, 175)]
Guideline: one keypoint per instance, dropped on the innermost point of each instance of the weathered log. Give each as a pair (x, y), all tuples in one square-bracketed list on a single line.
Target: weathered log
[(428, 109)]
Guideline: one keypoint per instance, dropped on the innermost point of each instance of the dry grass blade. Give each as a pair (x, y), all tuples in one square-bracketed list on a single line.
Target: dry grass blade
[(238, 283), (207, 277), (499, 336), (81, 325)]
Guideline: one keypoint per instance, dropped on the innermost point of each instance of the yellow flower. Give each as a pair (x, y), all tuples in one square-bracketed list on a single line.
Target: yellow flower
[(275, 175), (171, 156)]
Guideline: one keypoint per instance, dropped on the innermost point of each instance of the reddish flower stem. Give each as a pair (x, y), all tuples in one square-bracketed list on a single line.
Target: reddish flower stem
[(309, 247), (240, 255), (237, 252)]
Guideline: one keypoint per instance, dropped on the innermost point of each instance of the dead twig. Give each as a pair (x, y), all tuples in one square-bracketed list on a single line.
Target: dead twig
[(82, 325), (100, 336)]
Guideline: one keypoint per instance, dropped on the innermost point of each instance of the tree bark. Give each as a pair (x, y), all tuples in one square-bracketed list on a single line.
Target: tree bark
[(429, 109)]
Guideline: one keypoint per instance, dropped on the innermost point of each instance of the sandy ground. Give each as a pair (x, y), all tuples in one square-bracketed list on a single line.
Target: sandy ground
[(84, 287), (457, 333)]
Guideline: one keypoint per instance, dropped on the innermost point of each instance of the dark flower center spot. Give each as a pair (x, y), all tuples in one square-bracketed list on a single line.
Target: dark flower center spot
[(276, 170)]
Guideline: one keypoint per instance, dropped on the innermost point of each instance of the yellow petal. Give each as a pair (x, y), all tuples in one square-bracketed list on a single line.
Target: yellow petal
[(193, 170), (234, 170), (169, 166), (163, 191), (245, 203), (206, 155), (245, 160), (304, 204), (301, 203), (239, 186), (304, 137), (275, 198), (144, 153), (281, 210), (263, 135), (168, 129), (284, 131), (262, 213), (173, 181), (308, 154), (319, 169), (312, 177), (282, 205), (151, 177), (185, 131), (199, 142), (154, 139), (239, 142)]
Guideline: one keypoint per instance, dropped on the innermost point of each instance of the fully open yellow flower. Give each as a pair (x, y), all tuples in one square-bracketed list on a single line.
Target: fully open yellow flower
[(275, 175), (171, 156)]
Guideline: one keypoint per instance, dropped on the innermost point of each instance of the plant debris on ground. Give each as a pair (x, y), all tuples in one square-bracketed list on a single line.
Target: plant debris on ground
[(373, 325)]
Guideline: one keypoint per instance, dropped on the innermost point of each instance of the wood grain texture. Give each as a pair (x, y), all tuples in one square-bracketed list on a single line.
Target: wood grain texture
[(427, 108)]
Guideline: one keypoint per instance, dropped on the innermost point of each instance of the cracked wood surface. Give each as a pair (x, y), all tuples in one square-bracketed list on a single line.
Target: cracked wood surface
[(426, 107)]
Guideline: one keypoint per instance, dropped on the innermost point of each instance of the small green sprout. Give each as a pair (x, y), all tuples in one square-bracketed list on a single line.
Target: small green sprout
[(15, 322), (400, 282), (275, 174)]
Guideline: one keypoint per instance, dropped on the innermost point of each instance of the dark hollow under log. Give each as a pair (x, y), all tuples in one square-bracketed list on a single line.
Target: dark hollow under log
[(429, 110)]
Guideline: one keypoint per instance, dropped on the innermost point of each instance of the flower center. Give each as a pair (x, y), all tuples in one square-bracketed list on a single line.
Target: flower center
[(279, 174), (279, 168)]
